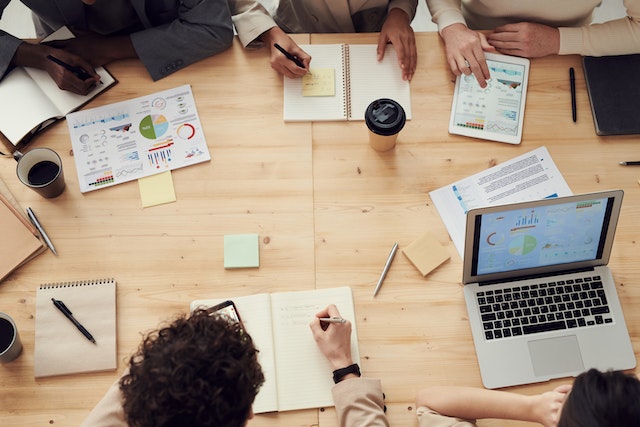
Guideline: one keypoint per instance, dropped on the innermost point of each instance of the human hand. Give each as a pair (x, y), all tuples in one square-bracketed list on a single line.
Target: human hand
[(397, 31), (526, 39), (547, 407), (97, 49), (333, 339), (281, 63), (37, 56), (465, 52)]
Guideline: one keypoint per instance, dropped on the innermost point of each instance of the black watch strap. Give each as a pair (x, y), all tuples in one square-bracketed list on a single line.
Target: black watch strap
[(339, 374)]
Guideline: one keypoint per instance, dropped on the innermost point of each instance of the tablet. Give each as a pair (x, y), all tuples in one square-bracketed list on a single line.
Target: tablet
[(495, 112)]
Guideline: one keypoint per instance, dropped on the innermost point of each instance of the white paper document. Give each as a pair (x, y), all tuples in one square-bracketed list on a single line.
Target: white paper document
[(530, 176)]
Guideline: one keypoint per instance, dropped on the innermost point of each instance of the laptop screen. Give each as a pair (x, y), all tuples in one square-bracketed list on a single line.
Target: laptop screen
[(540, 234)]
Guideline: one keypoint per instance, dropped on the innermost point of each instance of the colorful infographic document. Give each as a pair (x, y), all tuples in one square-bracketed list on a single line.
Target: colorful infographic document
[(140, 137)]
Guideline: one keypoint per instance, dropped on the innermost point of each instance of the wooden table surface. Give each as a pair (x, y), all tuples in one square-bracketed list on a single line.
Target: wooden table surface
[(327, 209)]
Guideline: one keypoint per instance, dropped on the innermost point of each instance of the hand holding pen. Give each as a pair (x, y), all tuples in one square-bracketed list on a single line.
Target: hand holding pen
[(295, 62), (62, 67), (333, 336)]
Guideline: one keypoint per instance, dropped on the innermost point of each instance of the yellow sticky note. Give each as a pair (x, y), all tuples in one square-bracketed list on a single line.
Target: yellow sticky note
[(157, 189), (426, 253), (319, 82)]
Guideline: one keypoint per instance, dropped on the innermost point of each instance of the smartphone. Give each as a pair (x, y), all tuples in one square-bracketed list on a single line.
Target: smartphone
[(227, 309)]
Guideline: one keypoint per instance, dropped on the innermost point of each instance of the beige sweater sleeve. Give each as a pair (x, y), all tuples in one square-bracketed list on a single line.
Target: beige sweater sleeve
[(108, 412), (359, 402), (617, 37)]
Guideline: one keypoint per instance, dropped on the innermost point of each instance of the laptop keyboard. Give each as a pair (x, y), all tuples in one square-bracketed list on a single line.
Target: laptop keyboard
[(543, 307)]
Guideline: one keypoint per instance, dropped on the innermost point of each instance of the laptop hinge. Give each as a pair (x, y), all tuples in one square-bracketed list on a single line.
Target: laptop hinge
[(536, 276)]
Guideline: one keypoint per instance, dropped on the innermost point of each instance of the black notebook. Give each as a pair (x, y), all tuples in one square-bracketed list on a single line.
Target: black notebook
[(614, 92)]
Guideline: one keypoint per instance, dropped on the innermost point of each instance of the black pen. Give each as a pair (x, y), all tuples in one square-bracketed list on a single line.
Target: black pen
[(63, 308), (78, 71), (572, 82), (34, 221), (289, 56), (634, 163)]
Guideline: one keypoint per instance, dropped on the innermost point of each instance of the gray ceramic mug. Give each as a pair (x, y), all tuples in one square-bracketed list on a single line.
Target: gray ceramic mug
[(41, 170), (10, 344)]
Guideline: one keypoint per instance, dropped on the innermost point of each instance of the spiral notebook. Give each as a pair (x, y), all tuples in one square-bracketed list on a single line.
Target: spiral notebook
[(353, 78), (60, 347)]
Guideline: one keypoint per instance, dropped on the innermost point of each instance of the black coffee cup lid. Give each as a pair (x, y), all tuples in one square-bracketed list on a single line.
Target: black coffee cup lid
[(385, 117)]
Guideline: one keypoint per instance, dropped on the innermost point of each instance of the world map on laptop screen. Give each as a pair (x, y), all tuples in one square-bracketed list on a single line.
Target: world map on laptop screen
[(547, 235)]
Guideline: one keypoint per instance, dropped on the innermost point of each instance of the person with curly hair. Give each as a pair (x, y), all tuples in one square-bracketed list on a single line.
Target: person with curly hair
[(200, 370)]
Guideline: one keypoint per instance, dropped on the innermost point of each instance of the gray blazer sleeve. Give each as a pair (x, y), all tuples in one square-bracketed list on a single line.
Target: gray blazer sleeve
[(203, 28), (8, 44)]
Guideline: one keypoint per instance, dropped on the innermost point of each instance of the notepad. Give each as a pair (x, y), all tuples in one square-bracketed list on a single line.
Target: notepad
[(60, 348), (614, 90), (31, 99), (358, 79), (19, 243), (297, 375)]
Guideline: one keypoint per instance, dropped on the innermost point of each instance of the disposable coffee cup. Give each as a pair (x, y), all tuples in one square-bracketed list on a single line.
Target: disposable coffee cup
[(385, 118), (10, 344), (41, 170)]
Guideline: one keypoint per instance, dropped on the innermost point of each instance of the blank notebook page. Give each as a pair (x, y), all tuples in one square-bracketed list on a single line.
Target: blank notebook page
[(60, 347), (372, 79)]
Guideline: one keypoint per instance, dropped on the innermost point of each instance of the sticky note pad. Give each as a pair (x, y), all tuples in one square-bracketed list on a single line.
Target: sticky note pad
[(157, 189), (319, 82), (241, 251), (426, 253)]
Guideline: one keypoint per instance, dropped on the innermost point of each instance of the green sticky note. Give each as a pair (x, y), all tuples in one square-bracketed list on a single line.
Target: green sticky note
[(241, 251)]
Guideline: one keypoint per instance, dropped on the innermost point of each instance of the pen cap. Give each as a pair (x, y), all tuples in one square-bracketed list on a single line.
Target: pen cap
[(384, 118)]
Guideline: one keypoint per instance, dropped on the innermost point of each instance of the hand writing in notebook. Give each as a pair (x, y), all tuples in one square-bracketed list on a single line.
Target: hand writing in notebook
[(333, 338), (283, 64)]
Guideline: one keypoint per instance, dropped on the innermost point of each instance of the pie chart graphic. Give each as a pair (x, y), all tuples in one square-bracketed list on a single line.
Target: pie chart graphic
[(154, 126)]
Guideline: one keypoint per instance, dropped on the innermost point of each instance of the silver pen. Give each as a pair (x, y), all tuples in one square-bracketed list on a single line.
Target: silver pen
[(34, 220), (386, 269), (332, 319)]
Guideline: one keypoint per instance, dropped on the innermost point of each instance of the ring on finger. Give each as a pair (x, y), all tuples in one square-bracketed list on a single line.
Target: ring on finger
[(466, 64)]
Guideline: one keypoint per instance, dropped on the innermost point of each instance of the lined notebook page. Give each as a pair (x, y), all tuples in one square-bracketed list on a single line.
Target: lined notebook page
[(371, 80), (317, 108), (60, 348), (304, 374), (255, 313)]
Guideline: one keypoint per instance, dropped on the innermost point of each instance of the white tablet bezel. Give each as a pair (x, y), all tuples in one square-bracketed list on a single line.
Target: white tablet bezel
[(485, 133)]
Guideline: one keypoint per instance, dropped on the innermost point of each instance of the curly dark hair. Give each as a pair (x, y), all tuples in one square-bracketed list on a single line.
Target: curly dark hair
[(602, 399), (200, 370)]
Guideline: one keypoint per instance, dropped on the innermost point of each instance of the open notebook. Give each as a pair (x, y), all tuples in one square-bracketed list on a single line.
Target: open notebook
[(297, 375), (31, 100), (344, 80)]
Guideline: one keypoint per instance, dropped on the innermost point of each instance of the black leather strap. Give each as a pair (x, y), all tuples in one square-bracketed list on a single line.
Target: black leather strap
[(339, 374)]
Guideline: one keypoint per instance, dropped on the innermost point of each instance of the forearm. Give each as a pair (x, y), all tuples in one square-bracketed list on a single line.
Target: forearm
[(445, 13), (408, 6), (474, 403)]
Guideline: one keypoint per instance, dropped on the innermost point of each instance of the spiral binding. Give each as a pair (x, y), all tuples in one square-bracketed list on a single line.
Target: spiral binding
[(346, 73), (75, 284)]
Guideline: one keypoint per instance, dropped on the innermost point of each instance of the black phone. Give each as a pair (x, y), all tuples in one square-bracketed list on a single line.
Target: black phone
[(227, 309)]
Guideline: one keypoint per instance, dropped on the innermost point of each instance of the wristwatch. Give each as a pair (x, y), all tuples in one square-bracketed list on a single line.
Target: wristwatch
[(339, 374)]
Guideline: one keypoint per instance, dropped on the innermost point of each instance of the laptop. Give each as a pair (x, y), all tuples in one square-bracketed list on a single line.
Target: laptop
[(541, 300), (614, 88)]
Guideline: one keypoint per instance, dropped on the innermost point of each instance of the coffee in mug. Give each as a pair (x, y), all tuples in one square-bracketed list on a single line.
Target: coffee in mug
[(384, 118), (41, 170), (10, 344)]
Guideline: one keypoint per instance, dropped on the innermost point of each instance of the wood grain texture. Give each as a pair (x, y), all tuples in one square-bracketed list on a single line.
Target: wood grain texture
[(327, 209)]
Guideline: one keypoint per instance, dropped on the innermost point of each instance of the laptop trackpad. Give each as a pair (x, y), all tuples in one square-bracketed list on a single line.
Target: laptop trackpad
[(554, 356)]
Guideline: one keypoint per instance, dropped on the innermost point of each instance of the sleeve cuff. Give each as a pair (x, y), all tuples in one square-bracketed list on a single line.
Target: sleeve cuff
[(570, 40), (448, 18)]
